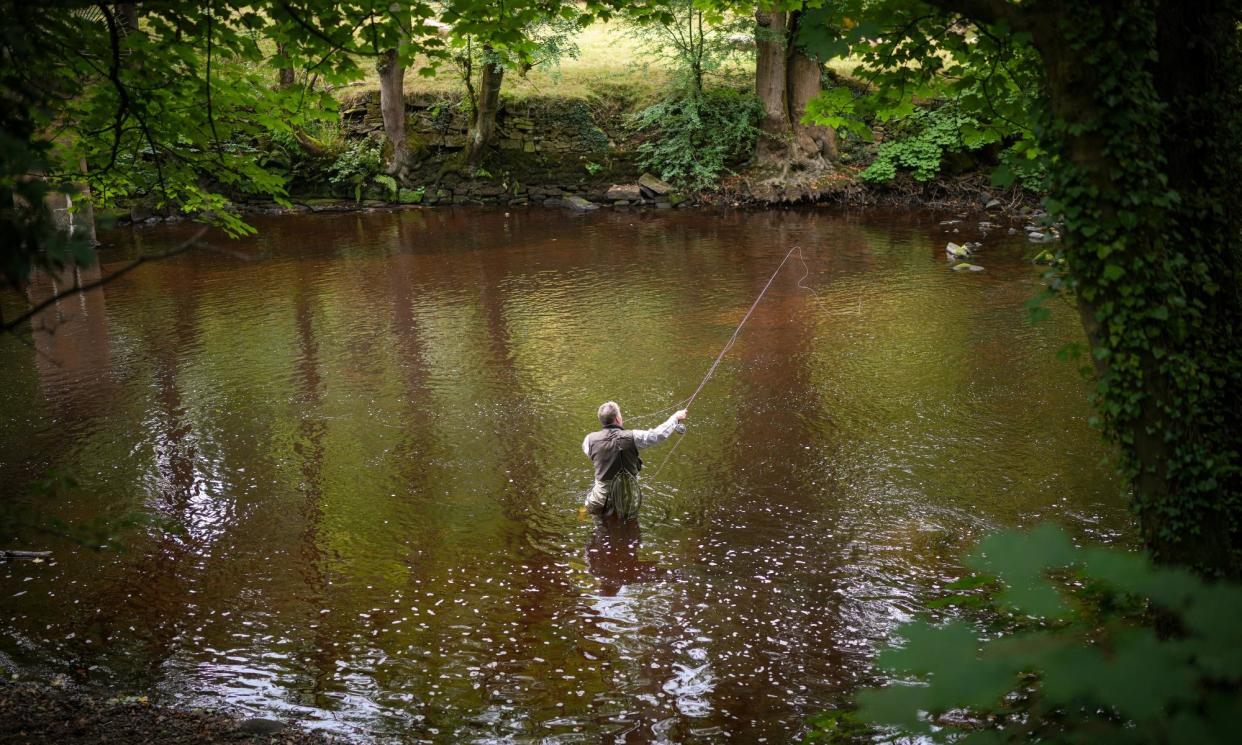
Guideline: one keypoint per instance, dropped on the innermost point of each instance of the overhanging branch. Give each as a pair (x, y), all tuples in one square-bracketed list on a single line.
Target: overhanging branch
[(11, 326)]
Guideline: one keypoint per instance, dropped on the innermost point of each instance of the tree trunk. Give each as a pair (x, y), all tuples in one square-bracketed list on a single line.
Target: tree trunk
[(805, 83), (284, 75), (1158, 281), (128, 13), (483, 128), (785, 80), (771, 88), (392, 106)]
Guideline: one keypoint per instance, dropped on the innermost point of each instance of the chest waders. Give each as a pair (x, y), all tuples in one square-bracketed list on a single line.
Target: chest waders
[(615, 458)]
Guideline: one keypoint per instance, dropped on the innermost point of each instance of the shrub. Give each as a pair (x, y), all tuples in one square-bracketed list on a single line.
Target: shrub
[(358, 163), (691, 139), (1090, 645), (921, 143)]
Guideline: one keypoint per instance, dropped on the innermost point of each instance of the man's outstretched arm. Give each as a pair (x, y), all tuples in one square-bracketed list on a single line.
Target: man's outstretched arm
[(645, 438)]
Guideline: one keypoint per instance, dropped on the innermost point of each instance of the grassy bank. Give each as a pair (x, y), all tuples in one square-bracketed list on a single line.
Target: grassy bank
[(609, 58)]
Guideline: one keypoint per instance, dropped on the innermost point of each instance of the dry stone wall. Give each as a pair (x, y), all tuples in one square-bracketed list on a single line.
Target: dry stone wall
[(549, 149)]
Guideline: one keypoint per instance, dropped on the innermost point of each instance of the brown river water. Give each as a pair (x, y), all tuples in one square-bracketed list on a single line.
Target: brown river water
[(352, 447)]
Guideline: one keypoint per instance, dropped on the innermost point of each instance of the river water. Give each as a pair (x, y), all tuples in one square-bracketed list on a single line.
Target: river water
[(343, 460)]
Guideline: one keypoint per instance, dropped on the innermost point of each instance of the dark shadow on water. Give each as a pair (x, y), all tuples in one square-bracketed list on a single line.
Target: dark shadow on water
[(612, 555)]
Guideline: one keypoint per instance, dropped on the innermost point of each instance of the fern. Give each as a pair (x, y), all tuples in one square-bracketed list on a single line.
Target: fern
[(389, 183)]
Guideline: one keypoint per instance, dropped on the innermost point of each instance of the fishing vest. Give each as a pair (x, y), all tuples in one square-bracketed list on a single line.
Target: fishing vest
[(612, 449)]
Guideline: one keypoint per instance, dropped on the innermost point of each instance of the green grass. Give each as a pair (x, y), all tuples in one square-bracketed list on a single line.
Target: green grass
[(609, 60)]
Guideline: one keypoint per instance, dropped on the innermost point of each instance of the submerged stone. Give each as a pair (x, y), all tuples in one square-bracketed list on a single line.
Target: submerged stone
[(578, 203)]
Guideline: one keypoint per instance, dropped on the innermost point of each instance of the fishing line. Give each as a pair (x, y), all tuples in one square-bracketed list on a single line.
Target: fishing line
[(729, 344)]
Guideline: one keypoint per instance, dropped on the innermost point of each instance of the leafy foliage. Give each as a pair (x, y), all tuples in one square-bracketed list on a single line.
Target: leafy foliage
[(1095, 645), (838, 727), (359, 163), (692, 139), (925, 138), (694, 38), (389, 183)]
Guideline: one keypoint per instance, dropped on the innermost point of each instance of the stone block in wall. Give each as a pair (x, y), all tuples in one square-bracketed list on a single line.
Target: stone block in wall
[(488, 190), (626, 192)]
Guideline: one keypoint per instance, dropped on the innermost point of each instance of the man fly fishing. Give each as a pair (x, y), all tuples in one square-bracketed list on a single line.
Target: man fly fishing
[(613, 451)]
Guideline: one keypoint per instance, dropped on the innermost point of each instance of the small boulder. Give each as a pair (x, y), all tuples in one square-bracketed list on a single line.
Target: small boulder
[(964, 267), (653, 187), (623, 193), (956, 252), (579, 204), (993, 204)]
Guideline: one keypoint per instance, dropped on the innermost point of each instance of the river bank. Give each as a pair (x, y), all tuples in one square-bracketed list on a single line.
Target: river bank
[(574, 152), (963, 197), (32, 712)]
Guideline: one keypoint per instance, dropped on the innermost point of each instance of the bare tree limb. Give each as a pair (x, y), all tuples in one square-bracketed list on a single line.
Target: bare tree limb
[(11, 326), (114, 74)]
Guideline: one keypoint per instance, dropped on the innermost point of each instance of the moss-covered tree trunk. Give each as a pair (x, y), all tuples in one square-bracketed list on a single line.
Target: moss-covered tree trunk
[(392, 107), (1145, 123), (483, 126), (785, 79)]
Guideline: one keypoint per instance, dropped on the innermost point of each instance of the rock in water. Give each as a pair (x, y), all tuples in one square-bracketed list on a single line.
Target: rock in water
[(623, 193), (578, 203), (965, 267), (653, 187), (956, 252)]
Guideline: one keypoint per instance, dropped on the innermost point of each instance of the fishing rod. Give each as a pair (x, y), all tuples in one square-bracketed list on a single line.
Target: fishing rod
[(729, 345)]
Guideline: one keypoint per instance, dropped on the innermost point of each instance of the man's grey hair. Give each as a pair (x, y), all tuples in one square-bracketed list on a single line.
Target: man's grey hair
[(609, 413)]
